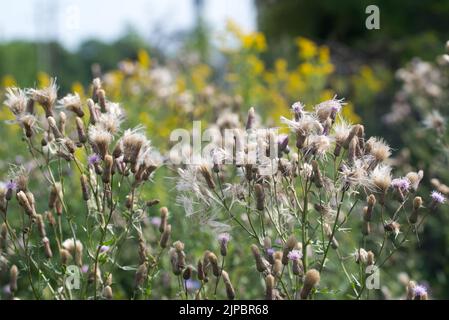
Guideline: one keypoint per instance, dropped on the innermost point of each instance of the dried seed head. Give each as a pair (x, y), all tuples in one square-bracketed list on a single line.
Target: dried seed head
[(47, 247), (100, 140), (417, 203), (93, 113), (107, 293), (354, 130), (178, 245), (392, 226), (230, 292), (200, 270), (107, 172), (260, 197), (164, 217), (82, 137), (24, 203), (41, 225), (415, 178), (411, 290), (85, 187), (213, 260), (370, 258), (46, 97), (13, 275), (55, 194), (75, 248), (72, 102), (311, 279), (54, 128), (277, 267), (269, 286), (251, 119), (165, 237), (260, 264), (65, 256)]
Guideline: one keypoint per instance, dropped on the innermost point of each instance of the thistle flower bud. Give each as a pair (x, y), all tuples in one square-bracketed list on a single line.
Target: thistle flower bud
[(164, 217), (174, 262), (82, 137), (13, 275), (251, 119), (230, 292), (107, 172), (260, 197), (3, 236), (47, 247), (165, 237), (260, 265), (312, 278), (277, 267), (107, 293), (200, 270), (178, 245), (92, 112), (370, 258), (213, 260), (101, 95), (62, 122), (354, 130), (187, 274), (141, 275), (65, 256), (269, 287), (70, 145), (297, 267), (54, 128), (417, 203), (411, 290), (289, 246), (223, 240), (41, 225), (85, 187), (55, 194), (317, 178), (24, 203)]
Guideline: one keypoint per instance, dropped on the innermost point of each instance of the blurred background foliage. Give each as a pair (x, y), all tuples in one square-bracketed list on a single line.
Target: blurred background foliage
[(303, 50)]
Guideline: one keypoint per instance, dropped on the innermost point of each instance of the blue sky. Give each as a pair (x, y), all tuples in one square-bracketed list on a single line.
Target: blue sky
[(71, 21)]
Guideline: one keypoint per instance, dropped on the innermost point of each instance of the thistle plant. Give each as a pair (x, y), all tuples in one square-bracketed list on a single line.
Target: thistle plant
[(78, 156), (324, 202)]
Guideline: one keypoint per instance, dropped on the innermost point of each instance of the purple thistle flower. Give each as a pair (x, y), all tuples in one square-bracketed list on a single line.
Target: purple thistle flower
[(282, 142), (192, 285), (224, 238), (104, 249), (437, 197), (403, 184), (155, 221), (11, 185), (297, 107), (294, 255), (93, 159), (420, 290), (85, 268), (270, 251)]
